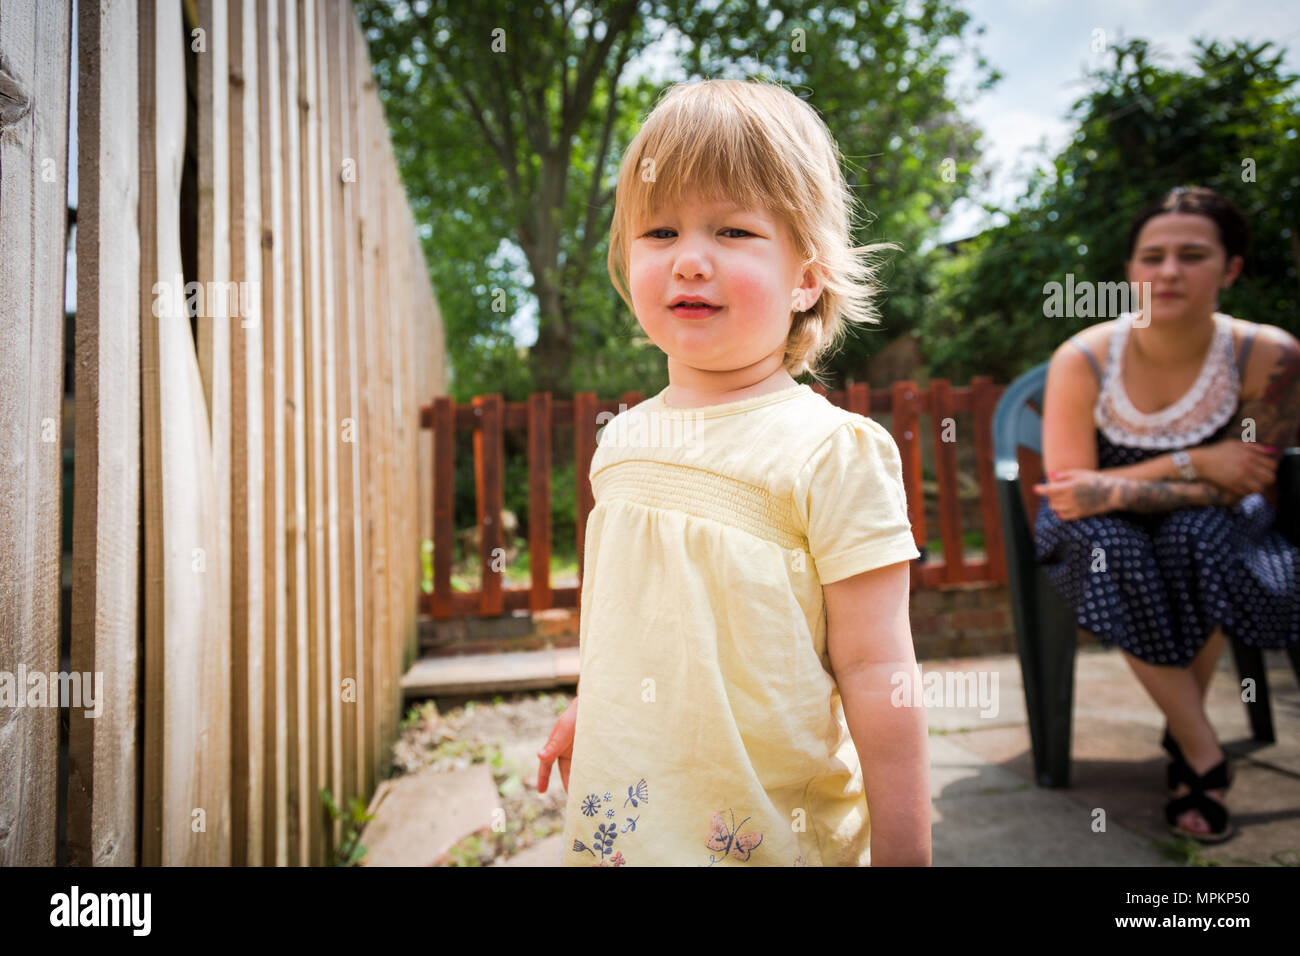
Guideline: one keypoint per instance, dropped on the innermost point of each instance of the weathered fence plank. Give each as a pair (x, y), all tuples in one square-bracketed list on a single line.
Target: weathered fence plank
[(103, 760), (339, 171), (301, 774), (373, 446), (275, 805), (247, 429), (315, 307), (186, 725), (34, 51), (213, 246), (248, 632)]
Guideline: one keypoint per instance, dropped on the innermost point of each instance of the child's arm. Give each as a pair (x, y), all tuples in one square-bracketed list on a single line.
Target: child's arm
[(869, 639)]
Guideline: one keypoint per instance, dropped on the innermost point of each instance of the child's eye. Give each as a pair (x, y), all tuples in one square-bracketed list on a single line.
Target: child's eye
[(651, 233)]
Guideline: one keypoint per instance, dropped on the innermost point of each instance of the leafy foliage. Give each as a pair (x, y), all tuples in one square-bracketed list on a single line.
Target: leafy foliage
[(1141, 131), (508, 120), (350, 851)]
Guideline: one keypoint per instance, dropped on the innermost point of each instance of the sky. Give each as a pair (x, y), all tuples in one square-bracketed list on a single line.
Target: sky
[(1043, 48)]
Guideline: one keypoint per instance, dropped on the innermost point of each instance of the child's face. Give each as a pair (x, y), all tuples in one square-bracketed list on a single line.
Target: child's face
[(742, 260)]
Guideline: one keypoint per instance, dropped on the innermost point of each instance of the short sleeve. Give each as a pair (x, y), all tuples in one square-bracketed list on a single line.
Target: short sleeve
[(852, 502)]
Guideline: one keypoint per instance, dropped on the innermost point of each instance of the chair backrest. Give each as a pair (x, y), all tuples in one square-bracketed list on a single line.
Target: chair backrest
[(1018, 435), (1017, 425)]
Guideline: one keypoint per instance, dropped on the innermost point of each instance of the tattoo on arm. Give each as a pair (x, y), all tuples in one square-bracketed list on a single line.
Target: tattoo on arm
[(1276, 410), (1157, 497), (1094, 496)]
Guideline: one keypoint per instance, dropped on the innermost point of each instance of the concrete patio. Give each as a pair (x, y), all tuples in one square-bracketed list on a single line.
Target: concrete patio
[(988, 811)]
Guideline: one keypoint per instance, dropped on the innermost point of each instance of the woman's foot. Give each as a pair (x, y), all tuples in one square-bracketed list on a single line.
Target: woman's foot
[(1193, 820)]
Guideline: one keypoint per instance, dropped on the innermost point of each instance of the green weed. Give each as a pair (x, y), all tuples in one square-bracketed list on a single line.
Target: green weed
[(350, 851)]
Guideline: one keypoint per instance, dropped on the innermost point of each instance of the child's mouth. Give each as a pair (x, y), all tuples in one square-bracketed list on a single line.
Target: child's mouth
[(688, 311)]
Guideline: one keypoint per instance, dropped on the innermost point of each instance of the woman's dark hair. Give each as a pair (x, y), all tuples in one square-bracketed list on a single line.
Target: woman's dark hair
[(1234, 234)]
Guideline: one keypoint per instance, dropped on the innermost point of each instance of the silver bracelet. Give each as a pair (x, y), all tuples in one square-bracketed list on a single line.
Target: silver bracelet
[(1183, 462)]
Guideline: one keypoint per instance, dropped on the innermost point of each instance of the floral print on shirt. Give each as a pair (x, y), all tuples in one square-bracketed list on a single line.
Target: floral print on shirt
[(603, 837)]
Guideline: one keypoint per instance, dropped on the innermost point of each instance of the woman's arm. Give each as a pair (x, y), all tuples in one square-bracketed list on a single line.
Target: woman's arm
[(1270, 410), (1154, 497), (1079, 493), (1069, 433), (1272, 407), (1159, 468)]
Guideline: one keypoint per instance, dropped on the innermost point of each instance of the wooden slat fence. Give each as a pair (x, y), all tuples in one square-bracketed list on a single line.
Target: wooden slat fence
[(489, 417), (249, 369), (34, 52)]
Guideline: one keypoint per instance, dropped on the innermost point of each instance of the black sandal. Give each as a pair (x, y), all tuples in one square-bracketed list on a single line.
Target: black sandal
[(1171, 746), (1215, 813), (1173, 773)]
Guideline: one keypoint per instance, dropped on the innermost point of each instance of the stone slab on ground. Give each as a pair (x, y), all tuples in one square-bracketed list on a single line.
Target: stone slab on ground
[(420, 816), (1117, 764), (985, 815), (491, 673), (544, 853)]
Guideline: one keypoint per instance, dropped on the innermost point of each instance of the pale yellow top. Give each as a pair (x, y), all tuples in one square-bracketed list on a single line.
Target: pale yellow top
[(709, 726)]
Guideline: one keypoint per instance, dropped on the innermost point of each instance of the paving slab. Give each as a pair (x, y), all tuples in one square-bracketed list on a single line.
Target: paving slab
[(420, 816), (1117, 765), (491, 673), (985, 815), (543, 853)]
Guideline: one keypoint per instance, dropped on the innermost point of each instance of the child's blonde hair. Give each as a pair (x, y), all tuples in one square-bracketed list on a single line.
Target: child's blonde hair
[(759, 145)]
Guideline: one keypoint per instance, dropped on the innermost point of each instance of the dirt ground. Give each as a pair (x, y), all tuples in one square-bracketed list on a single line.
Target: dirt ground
[(504, 731)]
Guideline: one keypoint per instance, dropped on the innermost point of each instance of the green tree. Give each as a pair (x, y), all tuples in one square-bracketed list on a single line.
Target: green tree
[(1228, 124), (509, 120)]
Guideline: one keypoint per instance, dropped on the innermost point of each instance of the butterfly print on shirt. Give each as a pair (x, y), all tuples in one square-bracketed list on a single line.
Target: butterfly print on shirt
[(724, 839)]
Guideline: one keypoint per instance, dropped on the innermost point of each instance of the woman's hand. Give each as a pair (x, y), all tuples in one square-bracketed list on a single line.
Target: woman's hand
[(1077, 493), (558, 748), (1241, 467)]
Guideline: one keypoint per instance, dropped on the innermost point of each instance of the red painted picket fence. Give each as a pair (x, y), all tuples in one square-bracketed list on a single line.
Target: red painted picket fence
[(489, 417)]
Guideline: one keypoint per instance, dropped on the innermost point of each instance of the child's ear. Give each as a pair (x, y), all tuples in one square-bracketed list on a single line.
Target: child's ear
[(811, 294)]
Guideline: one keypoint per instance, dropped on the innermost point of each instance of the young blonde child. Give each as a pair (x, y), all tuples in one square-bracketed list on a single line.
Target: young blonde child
[(745, 585)]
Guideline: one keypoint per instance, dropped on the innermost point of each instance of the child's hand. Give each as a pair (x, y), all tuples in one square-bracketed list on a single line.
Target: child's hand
[(558, 746)]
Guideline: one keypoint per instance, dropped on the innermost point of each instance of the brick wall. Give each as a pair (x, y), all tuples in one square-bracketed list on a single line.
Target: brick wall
[(964, 621)]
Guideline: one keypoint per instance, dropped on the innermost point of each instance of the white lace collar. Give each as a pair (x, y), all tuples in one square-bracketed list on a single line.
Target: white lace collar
[(1201, 411)]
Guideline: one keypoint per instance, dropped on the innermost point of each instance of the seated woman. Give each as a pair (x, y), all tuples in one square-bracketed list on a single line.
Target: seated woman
[(1161, 435)]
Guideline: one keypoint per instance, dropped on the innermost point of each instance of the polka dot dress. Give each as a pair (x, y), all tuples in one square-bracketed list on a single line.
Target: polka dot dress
[(1158, 585)]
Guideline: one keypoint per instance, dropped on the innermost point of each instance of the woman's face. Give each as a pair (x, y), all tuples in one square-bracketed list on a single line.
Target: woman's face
[(742, 260), (1182, 257)]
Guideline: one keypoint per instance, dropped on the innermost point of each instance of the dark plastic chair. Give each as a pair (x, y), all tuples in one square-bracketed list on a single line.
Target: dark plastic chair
[(1046, 630)]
